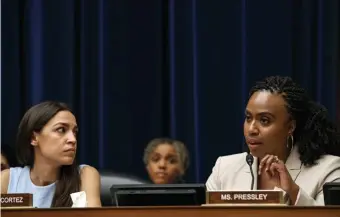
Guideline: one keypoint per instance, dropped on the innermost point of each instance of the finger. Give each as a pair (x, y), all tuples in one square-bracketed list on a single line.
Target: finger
[(262, 163), (280, 166), (269, 161), (273, 168), (277, 163)]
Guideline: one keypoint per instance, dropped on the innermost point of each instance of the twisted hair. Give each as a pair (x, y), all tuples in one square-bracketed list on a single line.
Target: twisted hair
[(315, 134)]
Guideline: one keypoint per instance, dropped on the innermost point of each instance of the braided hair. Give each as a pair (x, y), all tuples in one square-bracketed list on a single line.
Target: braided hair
[(315, 134)]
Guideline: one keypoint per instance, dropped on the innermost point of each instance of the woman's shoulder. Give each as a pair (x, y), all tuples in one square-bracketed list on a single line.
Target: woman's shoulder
[(17, 171), (87, 170), (230, 161), (326, 169), (13, 175), (329, 161), (233, 158)]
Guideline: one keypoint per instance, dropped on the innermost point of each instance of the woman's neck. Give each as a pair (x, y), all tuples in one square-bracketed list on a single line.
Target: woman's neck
[(43, 174)]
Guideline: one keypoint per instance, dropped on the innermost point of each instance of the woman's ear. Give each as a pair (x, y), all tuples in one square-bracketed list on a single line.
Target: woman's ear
[(34, 139), (292, 127)]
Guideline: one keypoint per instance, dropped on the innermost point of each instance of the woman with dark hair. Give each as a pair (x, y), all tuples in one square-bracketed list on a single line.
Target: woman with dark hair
[(294, 145), (166, 160), (46, 148)]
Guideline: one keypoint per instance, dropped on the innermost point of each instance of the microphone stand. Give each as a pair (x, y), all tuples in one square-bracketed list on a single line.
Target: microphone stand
[(250, 161)]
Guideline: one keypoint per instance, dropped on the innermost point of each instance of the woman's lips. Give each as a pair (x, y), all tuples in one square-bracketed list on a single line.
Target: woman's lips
[(254, 143)]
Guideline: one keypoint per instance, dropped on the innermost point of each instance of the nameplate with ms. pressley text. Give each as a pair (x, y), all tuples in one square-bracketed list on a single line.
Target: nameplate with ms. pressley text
[(245, 197), (16, 200)]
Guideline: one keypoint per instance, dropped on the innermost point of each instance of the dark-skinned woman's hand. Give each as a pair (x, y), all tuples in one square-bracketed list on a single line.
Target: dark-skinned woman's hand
[(275, 172)]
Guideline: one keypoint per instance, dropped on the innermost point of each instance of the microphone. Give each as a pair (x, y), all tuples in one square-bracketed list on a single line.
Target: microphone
[(250, 161)]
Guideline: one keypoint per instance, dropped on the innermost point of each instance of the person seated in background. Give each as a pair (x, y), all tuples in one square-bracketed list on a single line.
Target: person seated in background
[(166, 160), (4, 161), (7, 157), (294, 145), (46, 148)]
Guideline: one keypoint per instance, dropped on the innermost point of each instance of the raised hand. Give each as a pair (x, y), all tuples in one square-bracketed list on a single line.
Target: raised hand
[(275, 170)]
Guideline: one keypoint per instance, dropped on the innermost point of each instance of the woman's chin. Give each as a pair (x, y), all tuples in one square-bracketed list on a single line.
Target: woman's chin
[(256, 154), (67, 162)]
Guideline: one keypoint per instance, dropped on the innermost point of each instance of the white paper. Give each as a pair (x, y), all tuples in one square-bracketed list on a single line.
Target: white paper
[(79, 199)]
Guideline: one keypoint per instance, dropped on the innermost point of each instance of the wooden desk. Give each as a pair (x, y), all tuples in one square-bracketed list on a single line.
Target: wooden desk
[(234, 211)]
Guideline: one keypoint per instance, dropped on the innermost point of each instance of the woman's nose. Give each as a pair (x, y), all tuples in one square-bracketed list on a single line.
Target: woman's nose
[(253, 129)]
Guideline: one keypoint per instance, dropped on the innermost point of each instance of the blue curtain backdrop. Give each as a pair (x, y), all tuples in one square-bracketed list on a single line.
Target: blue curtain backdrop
[(136, 70)]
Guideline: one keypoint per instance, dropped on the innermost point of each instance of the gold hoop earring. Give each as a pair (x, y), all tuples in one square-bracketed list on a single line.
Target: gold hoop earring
[(291, 141)]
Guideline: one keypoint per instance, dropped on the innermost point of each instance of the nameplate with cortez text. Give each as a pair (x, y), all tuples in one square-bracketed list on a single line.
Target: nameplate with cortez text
[(16, 200), (245, 197)]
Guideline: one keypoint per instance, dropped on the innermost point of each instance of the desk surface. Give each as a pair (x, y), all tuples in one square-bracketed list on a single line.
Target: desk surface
[(231, 211)]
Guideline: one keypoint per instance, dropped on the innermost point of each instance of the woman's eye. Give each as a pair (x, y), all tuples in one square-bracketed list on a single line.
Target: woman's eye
[(264, 121), (61, 130)]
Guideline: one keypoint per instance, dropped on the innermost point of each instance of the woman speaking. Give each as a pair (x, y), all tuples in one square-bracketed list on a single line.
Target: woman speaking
[(294, 145)]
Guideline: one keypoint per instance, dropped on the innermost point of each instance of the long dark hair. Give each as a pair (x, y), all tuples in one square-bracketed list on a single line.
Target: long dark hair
[(315, 135), (33, 121)]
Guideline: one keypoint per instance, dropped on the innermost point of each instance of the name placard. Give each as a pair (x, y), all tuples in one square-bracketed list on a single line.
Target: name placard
[(245, 197), (16, 200)]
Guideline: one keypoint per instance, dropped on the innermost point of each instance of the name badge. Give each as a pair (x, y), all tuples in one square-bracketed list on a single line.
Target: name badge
[(245, 197), (16, 200)]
